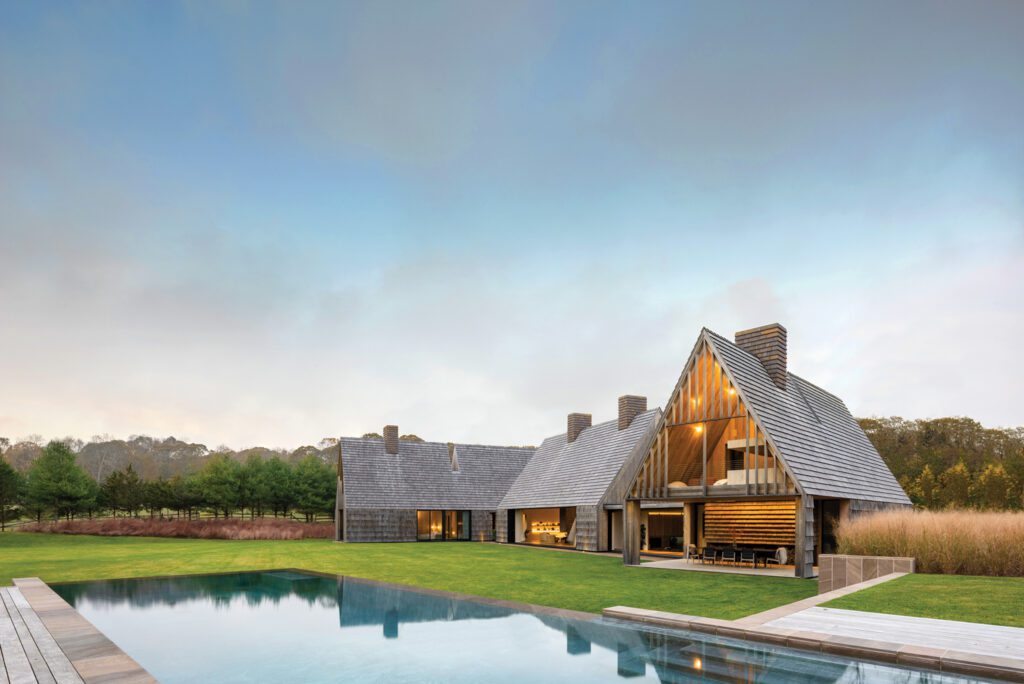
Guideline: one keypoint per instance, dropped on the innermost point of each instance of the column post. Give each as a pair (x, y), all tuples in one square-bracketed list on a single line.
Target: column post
[(631, 532)]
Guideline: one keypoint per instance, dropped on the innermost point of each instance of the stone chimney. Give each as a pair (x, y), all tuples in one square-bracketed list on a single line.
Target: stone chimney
[(768, 344), (578, 422), (391, 439), (630, 406)]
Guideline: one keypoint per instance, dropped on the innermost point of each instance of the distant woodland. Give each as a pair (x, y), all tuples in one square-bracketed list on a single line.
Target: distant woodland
[(952, 462), (941, 463)]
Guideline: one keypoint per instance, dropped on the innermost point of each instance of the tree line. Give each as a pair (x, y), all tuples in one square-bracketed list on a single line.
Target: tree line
[(56, 486), (952, 462)]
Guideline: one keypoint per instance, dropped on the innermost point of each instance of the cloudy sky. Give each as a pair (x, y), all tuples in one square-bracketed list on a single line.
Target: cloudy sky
[(268, 223)]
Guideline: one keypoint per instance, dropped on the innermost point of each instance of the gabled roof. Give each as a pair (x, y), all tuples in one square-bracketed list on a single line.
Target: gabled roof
[(420, 475), (814, 433), (577, 473)]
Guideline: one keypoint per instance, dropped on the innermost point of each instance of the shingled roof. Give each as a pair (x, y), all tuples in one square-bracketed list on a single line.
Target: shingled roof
[(420, 475), (813, 431), (577, 473)]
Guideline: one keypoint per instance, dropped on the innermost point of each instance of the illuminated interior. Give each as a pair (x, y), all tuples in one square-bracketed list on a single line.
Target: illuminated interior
[(708, 443), (442, 525), (546, 526)]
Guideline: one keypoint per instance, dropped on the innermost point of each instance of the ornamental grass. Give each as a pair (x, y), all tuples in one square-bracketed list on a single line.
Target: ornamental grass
[(216, 528), (952, 542)]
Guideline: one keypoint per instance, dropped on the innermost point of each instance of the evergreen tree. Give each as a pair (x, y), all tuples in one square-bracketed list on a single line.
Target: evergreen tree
[(219, 484), (280, 479), (11, 484), (58, 485), (315, 487)]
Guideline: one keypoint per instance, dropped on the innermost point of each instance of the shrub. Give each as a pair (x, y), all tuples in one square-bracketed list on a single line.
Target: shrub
[(952, 542), (218, 528)]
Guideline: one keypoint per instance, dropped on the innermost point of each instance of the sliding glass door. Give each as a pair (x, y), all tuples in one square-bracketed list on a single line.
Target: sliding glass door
[(442, 525)]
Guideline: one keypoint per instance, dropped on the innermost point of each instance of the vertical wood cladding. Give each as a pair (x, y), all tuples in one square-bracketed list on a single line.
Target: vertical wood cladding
[(501, 526), (481, 525), (587, 528)]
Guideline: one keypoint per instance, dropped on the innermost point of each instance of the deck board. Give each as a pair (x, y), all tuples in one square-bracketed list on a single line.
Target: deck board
[(16, 662), (28, 644), (60, 667), (993, 640)]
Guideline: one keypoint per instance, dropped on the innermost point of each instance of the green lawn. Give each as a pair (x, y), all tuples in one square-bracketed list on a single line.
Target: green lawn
[(991, 600), (551, 578)]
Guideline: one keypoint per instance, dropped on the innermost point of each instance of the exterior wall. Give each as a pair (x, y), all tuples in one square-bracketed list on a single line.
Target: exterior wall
[(590, 521), (380, 525), (805, 536), (481, 526), (859, 507), (501, 526), (836, 571)]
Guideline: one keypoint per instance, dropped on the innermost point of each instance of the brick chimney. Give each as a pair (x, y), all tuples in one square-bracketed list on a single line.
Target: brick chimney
[(391, 439), (768, 344), (630, 406), (578, 422)]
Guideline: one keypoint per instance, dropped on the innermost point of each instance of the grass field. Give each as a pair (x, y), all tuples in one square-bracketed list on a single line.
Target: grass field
[(991, 600), (550, 578)]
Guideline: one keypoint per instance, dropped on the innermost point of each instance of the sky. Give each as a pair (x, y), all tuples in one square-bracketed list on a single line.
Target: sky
[(268, 223)]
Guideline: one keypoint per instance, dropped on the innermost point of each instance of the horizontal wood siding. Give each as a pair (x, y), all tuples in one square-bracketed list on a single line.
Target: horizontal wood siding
[(380, 525), (767, 523)]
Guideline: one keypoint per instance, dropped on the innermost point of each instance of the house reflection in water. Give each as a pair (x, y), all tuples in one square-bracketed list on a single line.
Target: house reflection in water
[(493, 637)]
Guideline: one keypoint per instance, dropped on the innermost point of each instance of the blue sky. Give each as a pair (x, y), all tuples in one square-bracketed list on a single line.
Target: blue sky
[(266, 223)]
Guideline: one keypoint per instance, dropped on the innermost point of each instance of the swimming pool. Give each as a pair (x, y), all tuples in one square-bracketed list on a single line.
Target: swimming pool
[(288, 626)]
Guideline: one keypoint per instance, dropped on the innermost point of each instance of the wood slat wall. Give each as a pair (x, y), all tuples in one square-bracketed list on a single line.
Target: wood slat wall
[(762, 523)]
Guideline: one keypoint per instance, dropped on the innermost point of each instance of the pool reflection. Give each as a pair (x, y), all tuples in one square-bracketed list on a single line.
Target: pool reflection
[(608, 649)]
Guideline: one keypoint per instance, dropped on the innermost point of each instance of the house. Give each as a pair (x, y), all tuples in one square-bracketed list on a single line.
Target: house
[(748, 454), (568, 493), (571, 491), (392, 490), (744, 454)]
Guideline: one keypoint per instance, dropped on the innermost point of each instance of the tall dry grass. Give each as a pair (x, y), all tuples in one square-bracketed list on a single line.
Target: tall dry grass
[(956, 542), (219, 528)]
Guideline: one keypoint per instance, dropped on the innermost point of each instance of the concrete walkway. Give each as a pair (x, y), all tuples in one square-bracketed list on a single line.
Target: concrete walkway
[(803, 604), (696, 566)]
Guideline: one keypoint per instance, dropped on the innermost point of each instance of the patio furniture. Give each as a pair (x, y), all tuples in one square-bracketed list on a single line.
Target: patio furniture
[(748, 556), (781, 557), (729, 555), (708, 555), (692, 553)]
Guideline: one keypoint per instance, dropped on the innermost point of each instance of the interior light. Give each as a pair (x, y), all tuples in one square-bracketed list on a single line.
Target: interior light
[(732, 391), (697, 664), (698, 428)]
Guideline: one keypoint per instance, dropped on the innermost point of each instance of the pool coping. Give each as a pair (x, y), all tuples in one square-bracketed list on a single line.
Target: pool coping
[(96, 658), (938, 659)]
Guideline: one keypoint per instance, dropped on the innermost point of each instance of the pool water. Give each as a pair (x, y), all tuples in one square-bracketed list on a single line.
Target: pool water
[(298, 627)]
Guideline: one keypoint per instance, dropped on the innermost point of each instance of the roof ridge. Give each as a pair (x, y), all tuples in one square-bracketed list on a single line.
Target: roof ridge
[(444, 444)]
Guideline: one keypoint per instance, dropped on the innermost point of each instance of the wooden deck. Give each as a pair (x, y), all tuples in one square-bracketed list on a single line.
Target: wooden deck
[(43, 640), (988, 640)]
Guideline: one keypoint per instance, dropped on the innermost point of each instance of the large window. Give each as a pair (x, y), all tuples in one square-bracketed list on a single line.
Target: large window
[(447, 525)]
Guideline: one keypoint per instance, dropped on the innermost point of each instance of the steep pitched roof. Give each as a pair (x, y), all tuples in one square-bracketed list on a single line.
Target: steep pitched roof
[(420, 475), (815, 434), (577, 474)]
